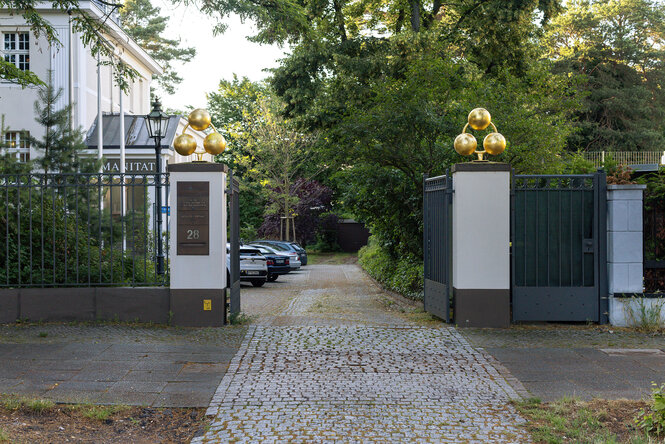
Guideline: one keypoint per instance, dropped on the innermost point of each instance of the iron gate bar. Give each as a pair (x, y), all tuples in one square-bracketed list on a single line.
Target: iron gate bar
[(437, 199), (78, 227), (233, 192)]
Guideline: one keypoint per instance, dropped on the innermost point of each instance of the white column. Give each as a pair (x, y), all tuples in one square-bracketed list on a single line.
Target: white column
[(481, 244), (123, 198), (100, 126), (198, 243)]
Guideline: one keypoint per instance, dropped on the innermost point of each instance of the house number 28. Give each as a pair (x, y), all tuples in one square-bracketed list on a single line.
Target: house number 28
[(193, 234)]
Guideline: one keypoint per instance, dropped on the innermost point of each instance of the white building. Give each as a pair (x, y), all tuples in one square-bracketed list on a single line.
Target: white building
[(83, 80)]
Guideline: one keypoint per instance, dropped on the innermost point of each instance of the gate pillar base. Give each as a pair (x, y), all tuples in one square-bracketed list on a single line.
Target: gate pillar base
[(481, 244), (197, 307), (482, 308)]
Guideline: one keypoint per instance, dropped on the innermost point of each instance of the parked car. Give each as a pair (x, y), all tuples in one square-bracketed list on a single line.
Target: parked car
[(294, 256), (289, 246), (278, 263), (253, 266)]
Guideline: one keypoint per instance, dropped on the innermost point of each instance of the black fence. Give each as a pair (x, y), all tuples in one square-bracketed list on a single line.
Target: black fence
[(81, 230), (654, 244)]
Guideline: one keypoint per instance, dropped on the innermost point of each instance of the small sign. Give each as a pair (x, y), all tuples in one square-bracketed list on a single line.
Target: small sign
[(193, 232), (132, 166), (207, 304), (166, 210)]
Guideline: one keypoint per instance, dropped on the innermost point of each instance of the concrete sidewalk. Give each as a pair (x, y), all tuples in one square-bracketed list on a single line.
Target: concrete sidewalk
[(592, 362), (150, 366)]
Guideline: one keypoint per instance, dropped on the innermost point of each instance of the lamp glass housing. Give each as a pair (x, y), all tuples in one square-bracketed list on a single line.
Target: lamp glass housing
[(157, 121)]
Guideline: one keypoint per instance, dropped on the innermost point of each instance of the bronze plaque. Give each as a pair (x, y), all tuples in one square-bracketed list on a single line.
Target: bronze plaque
[(193, 218)]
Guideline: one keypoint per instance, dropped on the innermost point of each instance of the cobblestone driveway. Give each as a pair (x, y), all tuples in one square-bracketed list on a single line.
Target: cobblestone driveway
[(353, 377)]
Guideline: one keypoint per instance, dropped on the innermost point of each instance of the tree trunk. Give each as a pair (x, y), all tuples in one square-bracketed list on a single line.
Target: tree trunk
[(415, 15), (400, 21), (339, 19)]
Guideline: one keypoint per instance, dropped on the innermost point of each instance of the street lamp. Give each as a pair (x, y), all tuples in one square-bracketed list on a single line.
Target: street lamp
[(157, 123)]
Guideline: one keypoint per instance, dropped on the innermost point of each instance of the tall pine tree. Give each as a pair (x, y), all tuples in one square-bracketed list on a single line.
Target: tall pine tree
[(143, 23), (61, 145)]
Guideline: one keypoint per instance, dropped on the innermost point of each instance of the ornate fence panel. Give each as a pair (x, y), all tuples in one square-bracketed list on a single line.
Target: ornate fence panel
[(559, 251), (437, 246), (81, 230)]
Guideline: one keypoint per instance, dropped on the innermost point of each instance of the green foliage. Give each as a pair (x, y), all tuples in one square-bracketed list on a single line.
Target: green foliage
[(99, 412), (575, 163), (403, 275), (653, 421), (646, 314), (618, 46), (38, 406), (240, 318), (49, 242), (143, 23)]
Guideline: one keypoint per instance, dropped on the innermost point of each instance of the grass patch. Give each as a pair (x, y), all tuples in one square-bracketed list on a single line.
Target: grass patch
[(573, 421), (38, 405), (13, 403), (4, 436), (240, 318), (99, 412)]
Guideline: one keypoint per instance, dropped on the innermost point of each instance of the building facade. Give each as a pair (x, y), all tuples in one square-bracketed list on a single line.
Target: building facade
[(87, 84)]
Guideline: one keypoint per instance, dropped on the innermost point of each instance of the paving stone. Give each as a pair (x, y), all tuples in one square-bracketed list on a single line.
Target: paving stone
[(361, 383)]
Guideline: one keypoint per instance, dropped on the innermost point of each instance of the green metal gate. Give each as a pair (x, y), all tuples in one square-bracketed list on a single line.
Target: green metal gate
[(437, 235), (559, 248)]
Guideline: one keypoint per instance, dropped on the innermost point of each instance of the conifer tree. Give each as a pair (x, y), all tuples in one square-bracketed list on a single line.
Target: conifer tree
[(61, 145)]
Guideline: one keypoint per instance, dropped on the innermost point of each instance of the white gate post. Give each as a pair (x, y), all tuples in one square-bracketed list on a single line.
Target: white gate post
[(198, 243), (481, 244)]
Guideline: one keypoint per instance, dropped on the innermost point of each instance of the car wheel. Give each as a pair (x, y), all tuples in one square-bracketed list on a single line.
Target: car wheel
[(272, 277), (258, 283)]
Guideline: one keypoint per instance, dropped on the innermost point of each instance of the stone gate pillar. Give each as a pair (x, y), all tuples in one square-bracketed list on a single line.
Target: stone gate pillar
[(481, 244), (198, 243)]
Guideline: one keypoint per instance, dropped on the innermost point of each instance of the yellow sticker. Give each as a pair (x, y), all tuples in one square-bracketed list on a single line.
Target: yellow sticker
[(207, 304)]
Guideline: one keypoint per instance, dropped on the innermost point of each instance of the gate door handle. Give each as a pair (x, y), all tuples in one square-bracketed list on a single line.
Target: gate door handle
[(587, 246)]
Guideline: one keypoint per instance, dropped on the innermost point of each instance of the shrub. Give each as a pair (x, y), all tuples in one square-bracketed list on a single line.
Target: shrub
[(403, 275), (654, 421)]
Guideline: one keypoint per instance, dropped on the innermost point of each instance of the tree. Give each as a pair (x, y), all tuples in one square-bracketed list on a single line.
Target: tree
[(618, 46), (278, 155), (313, 214), (92, 31), (61, 145), (228, 107), (143, 23)]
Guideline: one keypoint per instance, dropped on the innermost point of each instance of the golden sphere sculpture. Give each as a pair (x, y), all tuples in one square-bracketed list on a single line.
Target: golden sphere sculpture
[(465, 144), (479, 119), (494, 143), (184, 144), (214, 143), (199, 119)]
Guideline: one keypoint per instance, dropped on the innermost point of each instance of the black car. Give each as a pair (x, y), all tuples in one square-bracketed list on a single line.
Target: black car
[(291, 246), (277, 264)]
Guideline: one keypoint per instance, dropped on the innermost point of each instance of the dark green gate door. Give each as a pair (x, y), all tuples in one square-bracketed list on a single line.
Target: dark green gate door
[(437, 234), (559, 250)]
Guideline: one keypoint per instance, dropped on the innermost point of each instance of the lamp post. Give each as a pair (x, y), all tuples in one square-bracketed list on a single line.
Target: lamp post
[(157, 123)]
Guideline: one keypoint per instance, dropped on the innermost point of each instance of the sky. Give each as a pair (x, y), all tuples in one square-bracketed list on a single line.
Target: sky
[(218, 57)]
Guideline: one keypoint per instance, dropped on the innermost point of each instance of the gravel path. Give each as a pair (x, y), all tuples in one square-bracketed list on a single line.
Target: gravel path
[(327, 362)]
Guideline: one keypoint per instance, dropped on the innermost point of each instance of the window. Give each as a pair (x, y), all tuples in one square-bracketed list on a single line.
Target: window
[(16, 49), (18, 142)]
